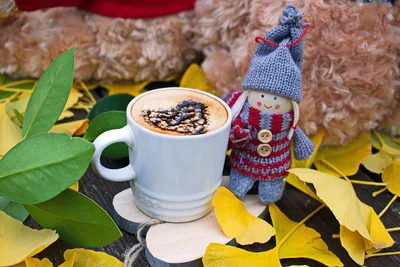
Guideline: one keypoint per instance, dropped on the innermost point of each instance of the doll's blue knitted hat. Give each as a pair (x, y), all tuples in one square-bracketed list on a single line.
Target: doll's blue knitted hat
[(277, 62)]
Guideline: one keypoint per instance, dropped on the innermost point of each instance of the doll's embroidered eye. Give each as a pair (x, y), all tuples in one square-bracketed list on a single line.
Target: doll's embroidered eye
[(262, 96), (275, 98)]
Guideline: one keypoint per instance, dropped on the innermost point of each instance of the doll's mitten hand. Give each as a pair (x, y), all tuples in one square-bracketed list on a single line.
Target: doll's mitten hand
[(303, 147), (239, 130), (239, 134)]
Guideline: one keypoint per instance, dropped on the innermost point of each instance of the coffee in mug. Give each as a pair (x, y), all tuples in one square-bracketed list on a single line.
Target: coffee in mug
[(179, 112), (177, 139)]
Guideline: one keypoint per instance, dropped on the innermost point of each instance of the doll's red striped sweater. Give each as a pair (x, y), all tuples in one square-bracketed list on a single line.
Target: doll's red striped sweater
[(244, 141)]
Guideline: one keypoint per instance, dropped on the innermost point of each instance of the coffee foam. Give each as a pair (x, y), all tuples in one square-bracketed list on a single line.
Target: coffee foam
[(179, 112)]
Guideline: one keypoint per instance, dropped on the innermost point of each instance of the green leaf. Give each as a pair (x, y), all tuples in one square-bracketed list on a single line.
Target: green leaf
[(4, 80), (5, 94), (110, 103), (39, 168), (78, 220), (50, 95), (104, 122), (385, 143), (19, 116), (386, 138), (15, 210)]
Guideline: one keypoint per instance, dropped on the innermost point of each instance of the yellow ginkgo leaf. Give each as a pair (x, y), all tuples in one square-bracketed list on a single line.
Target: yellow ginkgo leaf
[(346, 158), (377, 162), (353, 242), (73, 98), (218, 255), (66, 114), (385, 143), (21, 264), (10, 133), (331, 189), (89, 258), (391, 176), (75, 186), (70, 262), (89, 86), (380, 236), (132, 89), (194, 78), (317, 140), (19, 242), (294, 240), (300, 185), (358, 221), (396, 139), (304, 242), (33, 262), (356, 245), (21, 103), (292, 179), (237, 222), (18, 104), (72, 128)]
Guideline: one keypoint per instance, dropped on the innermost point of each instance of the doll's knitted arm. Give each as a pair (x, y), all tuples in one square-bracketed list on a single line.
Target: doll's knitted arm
[(231, 96), (303, 147)]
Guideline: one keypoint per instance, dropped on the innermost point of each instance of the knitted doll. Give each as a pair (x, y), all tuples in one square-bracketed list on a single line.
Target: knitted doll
[(266, 114), (351, 57)]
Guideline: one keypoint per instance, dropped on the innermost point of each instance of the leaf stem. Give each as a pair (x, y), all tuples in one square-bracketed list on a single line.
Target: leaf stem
[(19, 82), (387, 206), (82, 105), (335, 236), (379, 137), (327, 163), (85, 101), (380, 191), (382, 254), (367, 183), (88, 92), (11, 98), (283, 240), (5, 89), (394, 229)]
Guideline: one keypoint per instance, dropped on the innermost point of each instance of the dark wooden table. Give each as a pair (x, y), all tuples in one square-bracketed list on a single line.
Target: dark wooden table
[(294, 204)]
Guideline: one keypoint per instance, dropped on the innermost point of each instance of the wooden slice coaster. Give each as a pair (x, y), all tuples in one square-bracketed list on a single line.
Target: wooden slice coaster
[(178, 244), (184, 244), (126, 214)]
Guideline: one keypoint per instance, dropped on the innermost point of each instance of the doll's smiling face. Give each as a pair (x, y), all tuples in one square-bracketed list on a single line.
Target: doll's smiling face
[(268, 102)]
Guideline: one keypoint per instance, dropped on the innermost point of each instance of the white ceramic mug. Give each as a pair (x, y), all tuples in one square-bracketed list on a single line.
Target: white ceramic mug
[(173, 178)]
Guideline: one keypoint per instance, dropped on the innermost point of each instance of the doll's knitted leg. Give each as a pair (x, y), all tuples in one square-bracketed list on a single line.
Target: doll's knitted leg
[(271, 191), (240, 184)]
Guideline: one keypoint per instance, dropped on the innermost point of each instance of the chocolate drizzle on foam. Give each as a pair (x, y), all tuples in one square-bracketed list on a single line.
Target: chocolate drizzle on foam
[(188, 117)]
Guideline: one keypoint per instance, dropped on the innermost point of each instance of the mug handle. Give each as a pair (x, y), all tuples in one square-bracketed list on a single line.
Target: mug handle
[(106, 139)]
